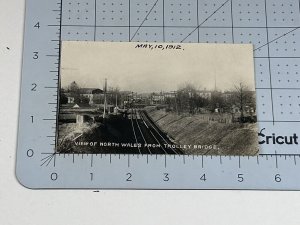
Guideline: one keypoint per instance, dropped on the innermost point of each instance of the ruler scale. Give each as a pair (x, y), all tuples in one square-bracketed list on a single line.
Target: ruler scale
[(271, 25)]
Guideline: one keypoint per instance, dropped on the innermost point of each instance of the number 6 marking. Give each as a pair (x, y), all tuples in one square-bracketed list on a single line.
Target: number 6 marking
[(277, 178)]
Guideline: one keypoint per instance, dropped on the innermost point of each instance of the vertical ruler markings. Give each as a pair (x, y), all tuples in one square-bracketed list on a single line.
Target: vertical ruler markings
[(58, 73)]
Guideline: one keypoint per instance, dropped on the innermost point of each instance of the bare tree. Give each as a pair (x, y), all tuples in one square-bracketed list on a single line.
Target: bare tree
[(74, 87), (75, 91), (216, 101), (188, 99), (243, 97)]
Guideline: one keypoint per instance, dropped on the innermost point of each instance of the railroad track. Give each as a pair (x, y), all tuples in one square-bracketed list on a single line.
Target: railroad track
[(147, 135), (135, 132), (158, 135)]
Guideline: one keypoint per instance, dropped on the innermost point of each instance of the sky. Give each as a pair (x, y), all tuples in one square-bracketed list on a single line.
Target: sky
[(144, 70)]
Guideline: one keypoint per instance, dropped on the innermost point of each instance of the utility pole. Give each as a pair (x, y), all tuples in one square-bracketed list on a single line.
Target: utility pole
[(116, 99), (105, 99), (175, 94)]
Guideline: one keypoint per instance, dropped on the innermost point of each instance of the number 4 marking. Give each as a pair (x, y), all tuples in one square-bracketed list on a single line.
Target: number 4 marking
[(203, 177), (37, 25)]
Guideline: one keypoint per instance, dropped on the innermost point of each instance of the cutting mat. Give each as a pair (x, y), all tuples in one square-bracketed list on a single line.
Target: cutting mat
[(271, 25)]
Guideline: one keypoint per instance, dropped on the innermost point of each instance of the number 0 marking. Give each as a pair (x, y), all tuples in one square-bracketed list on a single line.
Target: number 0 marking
[(30, 153), (54, 176)]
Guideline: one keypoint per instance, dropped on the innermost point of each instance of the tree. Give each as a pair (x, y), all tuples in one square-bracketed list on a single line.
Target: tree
[(187, 98), (63, 98), (83, 99), (216, 101), (242, 97), (74, 88)]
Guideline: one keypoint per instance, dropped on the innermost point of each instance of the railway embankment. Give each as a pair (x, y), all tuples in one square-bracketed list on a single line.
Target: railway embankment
[(207, 136)]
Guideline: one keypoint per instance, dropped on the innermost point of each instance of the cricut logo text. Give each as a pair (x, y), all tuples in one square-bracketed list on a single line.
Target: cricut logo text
[(277, 139)]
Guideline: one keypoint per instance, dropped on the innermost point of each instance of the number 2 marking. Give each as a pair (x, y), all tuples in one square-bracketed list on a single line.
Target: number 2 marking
[(34, 86), (129, 176)]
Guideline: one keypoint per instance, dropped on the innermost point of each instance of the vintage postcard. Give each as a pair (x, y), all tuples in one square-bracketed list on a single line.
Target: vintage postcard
[(157, 98)]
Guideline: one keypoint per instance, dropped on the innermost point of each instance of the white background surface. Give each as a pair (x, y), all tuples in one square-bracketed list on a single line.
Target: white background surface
[(20, 206)]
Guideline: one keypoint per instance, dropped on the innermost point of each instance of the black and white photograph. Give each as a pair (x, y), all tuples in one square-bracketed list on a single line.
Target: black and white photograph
[(157, 98)]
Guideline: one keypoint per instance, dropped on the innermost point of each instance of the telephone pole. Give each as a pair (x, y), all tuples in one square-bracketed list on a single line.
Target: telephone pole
[(105, 99), (116, 99)]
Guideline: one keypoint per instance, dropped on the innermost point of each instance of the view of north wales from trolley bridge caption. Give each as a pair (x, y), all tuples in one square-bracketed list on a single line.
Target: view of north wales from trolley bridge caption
[(131, 108)]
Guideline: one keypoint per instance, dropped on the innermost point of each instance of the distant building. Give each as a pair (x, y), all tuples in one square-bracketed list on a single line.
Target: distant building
[(170, 94), (157, 98), (71, 100), (205, 94), (248, 110), (91, 93), (227, 95)]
